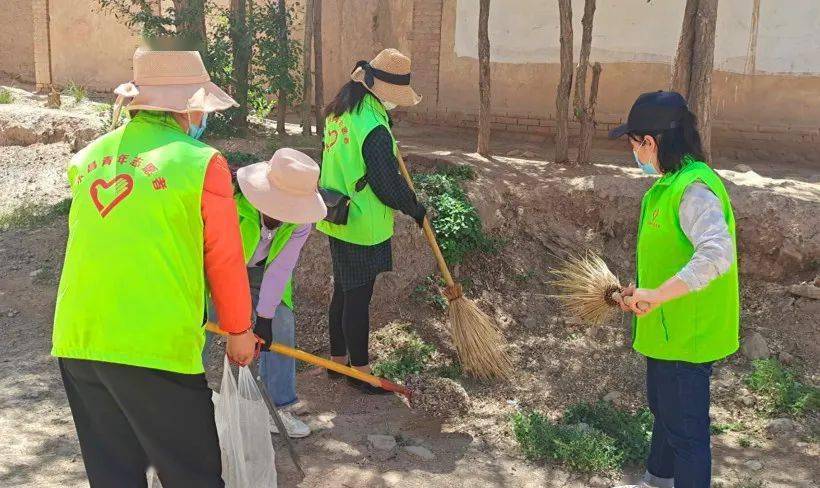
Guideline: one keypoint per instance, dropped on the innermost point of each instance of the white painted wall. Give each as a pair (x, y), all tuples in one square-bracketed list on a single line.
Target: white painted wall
[(526, 31)]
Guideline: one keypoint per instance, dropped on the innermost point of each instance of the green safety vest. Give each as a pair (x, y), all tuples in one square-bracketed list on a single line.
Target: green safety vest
[(701, 326), (249, 227), (370, 221), (132, 289)]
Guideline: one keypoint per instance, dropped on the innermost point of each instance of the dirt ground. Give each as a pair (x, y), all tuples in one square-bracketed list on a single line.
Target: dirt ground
[(540, 210)]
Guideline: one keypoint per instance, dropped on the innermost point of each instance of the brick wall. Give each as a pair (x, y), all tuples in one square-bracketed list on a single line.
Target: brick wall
[(426, 45)]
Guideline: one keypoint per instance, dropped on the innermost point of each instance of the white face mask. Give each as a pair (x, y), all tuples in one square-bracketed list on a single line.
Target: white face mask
[(389, 105)]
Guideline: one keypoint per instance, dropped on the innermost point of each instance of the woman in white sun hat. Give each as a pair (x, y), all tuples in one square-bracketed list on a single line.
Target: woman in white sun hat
[(359, 161), (278, 203), (152, 220)]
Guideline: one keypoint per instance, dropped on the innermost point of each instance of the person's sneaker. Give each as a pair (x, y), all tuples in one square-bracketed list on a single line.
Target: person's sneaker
[(298, 408), (295, 427)]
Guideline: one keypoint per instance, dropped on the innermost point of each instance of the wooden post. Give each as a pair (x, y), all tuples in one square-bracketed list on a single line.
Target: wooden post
[(307, 50), (319, 92), (564, 83), (484, 78)]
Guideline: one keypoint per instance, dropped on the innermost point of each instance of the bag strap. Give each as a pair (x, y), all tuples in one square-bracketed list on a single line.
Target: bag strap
[(361, 183)]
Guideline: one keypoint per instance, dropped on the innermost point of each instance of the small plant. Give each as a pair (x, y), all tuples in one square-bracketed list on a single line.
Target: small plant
[(460, 172), (749, 482), (524, 277), (745, 442), (584, 450), (780, 391), (239, 159), (76, 91), (31, 215), (455, 219), (631, 432), (6, 96), (450, 370), (409, 358), (720, 428), (429, 293)]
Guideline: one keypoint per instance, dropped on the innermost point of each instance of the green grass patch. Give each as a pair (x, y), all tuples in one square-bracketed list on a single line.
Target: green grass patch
[(76, 91), (429, 292), (589, 438), (722, 428), (409, 358), (450, 370), (779, 390), (31, 215), (455, 219), (6, 96)]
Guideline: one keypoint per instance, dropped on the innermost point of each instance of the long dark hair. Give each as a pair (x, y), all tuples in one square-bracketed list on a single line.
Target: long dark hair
[(348, 99), (675, 144)]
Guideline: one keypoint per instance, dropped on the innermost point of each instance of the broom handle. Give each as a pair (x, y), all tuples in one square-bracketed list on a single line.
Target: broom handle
[(428, 231), (628, 300), (323, 363)]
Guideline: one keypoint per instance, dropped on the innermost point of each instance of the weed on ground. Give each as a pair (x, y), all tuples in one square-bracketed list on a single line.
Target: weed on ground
[(76, 91), (779, 390), (31, 215), (6, 96)]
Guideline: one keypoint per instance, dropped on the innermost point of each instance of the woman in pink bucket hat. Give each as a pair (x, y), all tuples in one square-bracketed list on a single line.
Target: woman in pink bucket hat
[(278, 202)]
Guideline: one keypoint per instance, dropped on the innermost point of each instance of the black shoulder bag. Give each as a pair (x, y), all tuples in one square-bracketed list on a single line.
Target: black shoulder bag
[(338, 204)]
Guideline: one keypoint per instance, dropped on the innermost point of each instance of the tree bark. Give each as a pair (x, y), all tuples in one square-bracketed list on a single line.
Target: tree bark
[(588, 120), (564, 83), (241, 41), (582, 110), (484, 78), (694, 61), (282, 98), (319, 92), (307, 45)]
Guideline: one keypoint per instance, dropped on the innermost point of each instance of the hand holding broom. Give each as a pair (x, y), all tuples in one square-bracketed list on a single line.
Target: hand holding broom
[(479, 343)]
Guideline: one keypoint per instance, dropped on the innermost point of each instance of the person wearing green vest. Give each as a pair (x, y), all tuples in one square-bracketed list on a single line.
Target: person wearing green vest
[(152, 220), (359, 161), (686, 300), (278, 202)]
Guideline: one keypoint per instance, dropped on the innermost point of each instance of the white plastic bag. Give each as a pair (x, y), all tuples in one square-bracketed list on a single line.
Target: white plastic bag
[(243, 425), (244, 432)]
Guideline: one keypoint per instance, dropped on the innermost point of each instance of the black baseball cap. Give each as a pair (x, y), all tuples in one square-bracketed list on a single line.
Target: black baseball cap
[(653, 112)]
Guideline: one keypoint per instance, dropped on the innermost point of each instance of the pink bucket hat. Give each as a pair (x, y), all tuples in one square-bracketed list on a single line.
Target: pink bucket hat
[(171, 81), (285, 188)]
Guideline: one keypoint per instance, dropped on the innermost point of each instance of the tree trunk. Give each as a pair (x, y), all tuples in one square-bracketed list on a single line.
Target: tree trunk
[(564, 84), (192, 21), (582, 110), (241, 42), (484, 78), (588, 118), (307, 44), (282, 99), (319, 92), (694, 61)]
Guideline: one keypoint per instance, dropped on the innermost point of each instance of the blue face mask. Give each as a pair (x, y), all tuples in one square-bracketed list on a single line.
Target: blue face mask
[(196, 131), (647, 168)]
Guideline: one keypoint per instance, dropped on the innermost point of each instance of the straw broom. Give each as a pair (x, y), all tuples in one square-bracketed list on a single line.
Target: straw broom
[(478, 340), (587, 288)]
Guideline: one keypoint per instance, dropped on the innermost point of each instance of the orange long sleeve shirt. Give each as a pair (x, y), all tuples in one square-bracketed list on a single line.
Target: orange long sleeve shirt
[(224, 260)]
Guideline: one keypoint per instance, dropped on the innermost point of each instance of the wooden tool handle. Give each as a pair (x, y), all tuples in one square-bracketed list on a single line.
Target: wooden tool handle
[(323, 363), (643, 306), (428, 231)]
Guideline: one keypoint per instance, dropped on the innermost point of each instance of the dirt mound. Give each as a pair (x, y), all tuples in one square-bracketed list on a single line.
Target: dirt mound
[(23, 125), (33, 175)]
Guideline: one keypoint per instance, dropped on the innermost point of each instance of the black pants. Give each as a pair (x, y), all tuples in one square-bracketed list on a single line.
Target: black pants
[(349, 322), (678, 396), (128, 418)]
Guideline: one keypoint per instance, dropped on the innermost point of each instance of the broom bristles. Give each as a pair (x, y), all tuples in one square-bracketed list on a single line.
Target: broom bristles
[(479, 343), (585, 286)]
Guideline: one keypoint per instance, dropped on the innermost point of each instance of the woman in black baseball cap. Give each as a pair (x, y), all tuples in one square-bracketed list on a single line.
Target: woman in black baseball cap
[(686, 302)]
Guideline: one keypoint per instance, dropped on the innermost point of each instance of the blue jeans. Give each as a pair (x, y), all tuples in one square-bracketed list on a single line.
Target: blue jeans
[(278, 372), (678, 396)]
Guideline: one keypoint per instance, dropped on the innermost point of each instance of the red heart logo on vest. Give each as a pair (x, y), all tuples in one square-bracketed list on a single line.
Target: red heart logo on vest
[(123, 184)]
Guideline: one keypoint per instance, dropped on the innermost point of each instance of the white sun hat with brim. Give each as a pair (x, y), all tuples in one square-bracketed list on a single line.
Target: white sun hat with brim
[(286, 188), (171, 81)]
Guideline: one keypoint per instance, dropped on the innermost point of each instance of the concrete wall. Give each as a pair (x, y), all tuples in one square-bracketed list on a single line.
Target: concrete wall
[(16, 39)]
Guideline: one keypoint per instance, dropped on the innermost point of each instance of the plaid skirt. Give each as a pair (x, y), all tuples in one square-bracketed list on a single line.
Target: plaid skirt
[(355, 265)]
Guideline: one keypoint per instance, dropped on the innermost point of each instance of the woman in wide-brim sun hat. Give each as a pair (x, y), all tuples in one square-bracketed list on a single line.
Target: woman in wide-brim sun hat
[(359, 160), (278, 202), (152, 226)]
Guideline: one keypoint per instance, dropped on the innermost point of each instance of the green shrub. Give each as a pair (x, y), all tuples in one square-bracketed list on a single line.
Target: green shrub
[(632, 432), (5, 96), (76, 91), (779, 390), (30, 215), (450, 370), (584, 450), (239, 158), (429, 292), (409, 358), (719, 428), (454, 218)]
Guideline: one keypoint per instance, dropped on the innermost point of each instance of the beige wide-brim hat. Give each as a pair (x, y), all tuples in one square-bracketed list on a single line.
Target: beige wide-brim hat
[(388, 77), (172, 81), (285, 188)]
